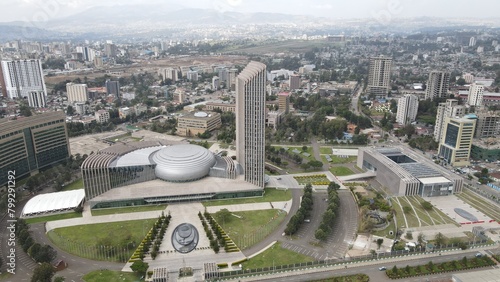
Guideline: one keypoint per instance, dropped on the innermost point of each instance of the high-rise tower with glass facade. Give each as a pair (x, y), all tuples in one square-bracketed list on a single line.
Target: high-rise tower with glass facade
[(250, 121)]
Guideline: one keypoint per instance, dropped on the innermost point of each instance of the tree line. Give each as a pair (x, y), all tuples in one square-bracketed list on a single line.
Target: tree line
[(304, 211), (326, 226)]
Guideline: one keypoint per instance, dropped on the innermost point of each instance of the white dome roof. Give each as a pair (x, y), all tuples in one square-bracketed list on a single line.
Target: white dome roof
[(183, 163)]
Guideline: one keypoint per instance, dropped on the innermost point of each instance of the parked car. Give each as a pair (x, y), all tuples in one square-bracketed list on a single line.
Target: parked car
[(382, 268)]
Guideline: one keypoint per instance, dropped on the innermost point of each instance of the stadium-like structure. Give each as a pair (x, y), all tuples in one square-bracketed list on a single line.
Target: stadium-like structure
[(154, 172)]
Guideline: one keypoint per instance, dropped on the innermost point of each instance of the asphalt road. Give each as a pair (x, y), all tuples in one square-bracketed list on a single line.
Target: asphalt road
[(375, 274), (343, 233)]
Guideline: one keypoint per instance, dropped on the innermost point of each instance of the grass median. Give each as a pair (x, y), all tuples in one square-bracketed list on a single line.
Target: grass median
[(110, 276), (276, 255), (128, 209)]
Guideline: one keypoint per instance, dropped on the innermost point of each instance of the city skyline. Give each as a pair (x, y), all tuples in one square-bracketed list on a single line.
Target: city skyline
[(27, 10)]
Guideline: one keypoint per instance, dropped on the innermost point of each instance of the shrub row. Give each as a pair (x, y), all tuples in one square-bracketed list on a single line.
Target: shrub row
[(431, 268), (304, 211), (213, 243), (325, 228), (152, 239), (223, 238)]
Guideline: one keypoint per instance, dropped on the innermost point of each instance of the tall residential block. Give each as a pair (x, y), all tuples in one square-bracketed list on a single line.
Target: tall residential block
[(37, 99), (475, 97), (113, 87), (437, 85), (284, 102), (407, 109), (456, 143), (169, 73), (32, 143), (77, 92), (379, 77), (450, 108), (294, 82), (487, 125), (18, 78), (232, 79), (251, 121)]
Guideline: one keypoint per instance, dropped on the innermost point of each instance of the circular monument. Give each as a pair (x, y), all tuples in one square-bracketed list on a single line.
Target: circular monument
[(183, 163), (185, 238)]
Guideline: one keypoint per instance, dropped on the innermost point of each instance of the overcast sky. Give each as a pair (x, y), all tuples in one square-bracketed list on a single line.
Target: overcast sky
[(43, 10)]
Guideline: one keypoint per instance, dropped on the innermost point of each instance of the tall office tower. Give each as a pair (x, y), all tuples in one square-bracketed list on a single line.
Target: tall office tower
[(284, 102), (456, 143), (110, 50), (113, 87), (169, 73), (192, 76), (32, 143), (22, 77), (407, 109), (232, 79), (77, 92), (475, 97), (450, 108), (294, 82), (251, 121), (98, 62), (37, 99), (437, 85), (379, 77)]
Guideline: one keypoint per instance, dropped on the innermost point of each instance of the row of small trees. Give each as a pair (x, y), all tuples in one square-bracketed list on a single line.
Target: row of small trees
[(304, 211), (39, 253), (214, 244), (158, 232), (223, 238), (325, 228)]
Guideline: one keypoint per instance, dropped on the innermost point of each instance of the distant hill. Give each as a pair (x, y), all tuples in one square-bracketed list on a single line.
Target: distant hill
[(12, 32)]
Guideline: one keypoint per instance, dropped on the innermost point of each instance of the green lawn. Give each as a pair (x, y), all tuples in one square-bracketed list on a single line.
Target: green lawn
[(303, 180), (427, 218), (77, 184), (275, 255), (110, 276), (291, 148), (338, 160), (128, 209), (341, 171), (53, 217), (253, 224), (4, 276), (385, 232), (270, 195), (115, 234)]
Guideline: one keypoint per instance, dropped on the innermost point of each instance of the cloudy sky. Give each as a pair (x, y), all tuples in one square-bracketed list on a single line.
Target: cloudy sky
[(32, 10)]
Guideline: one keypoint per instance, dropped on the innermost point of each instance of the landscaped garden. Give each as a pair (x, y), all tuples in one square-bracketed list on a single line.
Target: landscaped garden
[(432, 268), (413, 211), (113, 241), (270, 195), (341, 171), (318, 179), (75, 185), (275, 255), (249, 227)]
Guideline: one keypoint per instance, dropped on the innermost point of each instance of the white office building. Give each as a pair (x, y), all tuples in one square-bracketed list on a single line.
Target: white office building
[(37, 99)]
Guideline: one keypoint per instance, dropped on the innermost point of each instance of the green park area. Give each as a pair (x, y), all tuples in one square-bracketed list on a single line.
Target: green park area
[(348, 278), (54, 217), (250, 227), (341, 171), (270, 195), (337, 159), (413, 211), (128, 210), (110, 276), (308, 150), (317, 179), (276, 255), (113, 241)]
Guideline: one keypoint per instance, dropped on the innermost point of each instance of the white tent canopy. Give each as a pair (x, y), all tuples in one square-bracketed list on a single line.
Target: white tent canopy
[(53, 202)]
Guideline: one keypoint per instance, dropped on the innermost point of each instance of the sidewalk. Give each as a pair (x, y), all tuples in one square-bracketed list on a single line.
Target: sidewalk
[(315, 269)]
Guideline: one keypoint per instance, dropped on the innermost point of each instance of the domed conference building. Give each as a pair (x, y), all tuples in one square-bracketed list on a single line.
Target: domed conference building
[(141, 173)]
